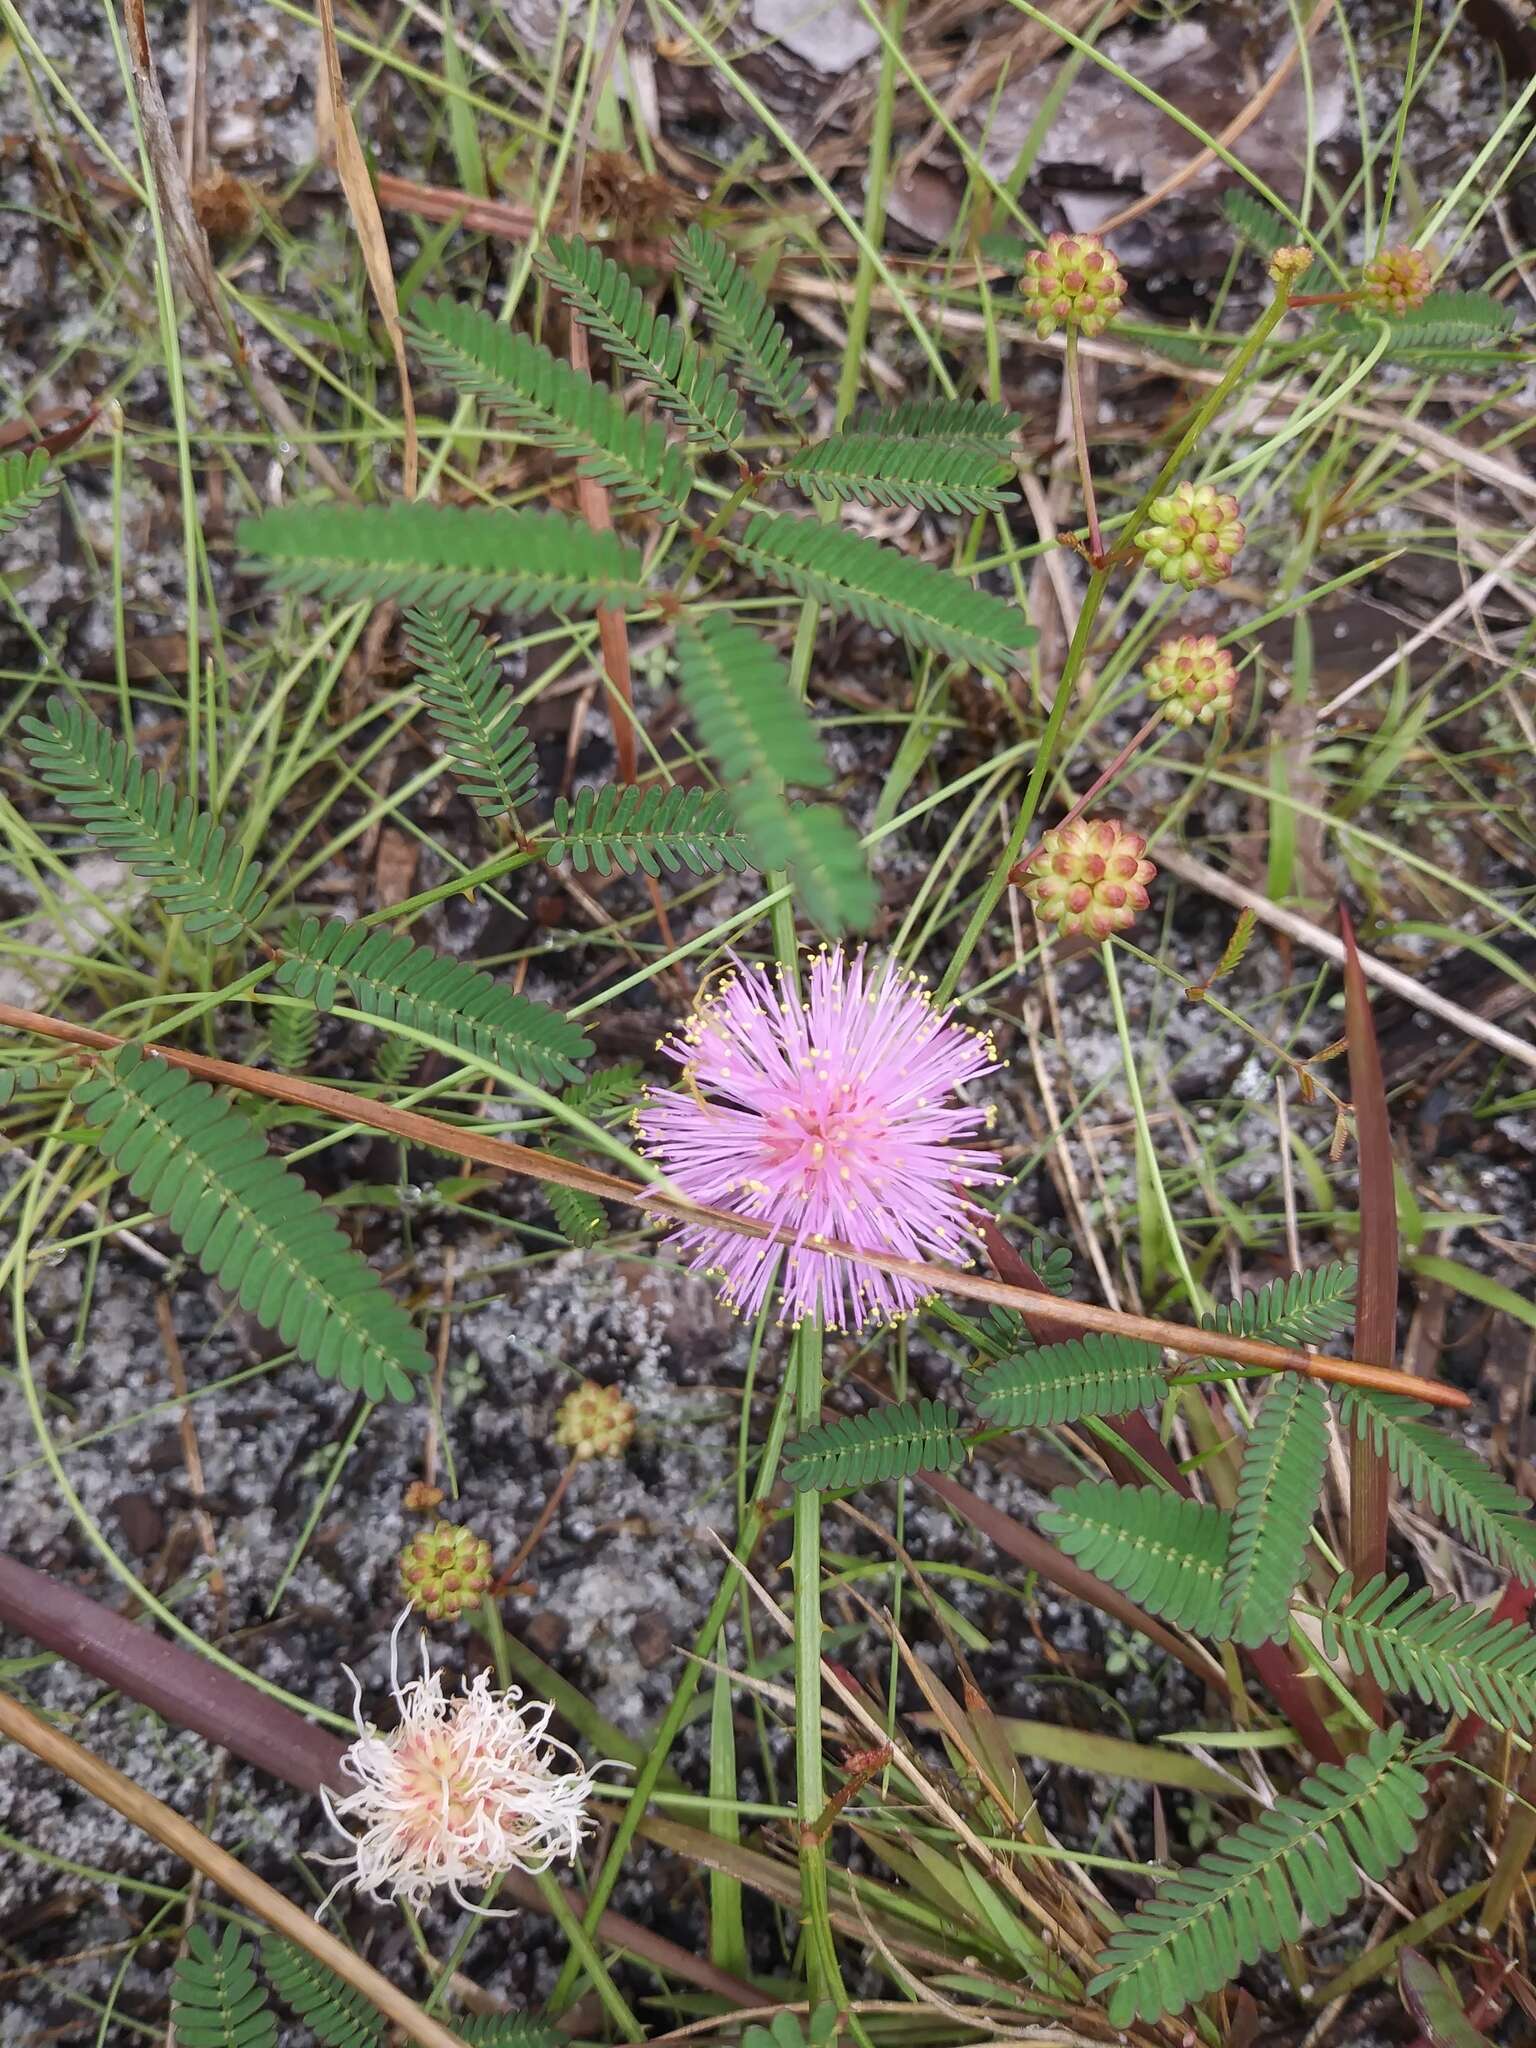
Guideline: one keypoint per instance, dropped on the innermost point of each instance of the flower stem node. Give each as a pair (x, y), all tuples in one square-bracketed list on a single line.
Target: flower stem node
[(460, 1791), (1396, 281), (1089, 877), (595, 1422), (445, 1571), (1193, 678), (1191, 536), (1072, 282)]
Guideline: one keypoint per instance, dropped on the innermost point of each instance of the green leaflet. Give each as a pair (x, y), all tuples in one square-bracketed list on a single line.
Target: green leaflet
[(489, 751), (250, 1223), (1456, 1657), (25, 483), (687, 381), (216, 2001), (1277, 1494), (445, 557), (1305, 1308), (1166, 1553), (1096, 1374), (335, 2012), (1259, 1888), (743, 322), (390, 977), (738, 694), (930, 607), (617, 830), (196, 871), (955, 422), (820, 849), (871, 468), (1450, 1480), (554, 405), (882, 1443)]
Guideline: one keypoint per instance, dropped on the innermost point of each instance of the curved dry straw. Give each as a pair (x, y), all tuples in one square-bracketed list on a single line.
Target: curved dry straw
[(500, 1153)]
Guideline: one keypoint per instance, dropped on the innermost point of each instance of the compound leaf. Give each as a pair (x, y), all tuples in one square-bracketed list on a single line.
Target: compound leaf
[(1299, 1862), (1166, 1553), (190, 864), (882, 1443), (445, 557), (929, 607), (1277, 1494), (392, 978), (1095, 1374), (251, 1224)]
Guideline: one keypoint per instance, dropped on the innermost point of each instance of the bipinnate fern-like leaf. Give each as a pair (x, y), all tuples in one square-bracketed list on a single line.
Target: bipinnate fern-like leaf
[(553, 404), (190, 864), (250, 1223), (1278, 1486), (738, 694), (26, 481), (1454, 1656), (489, 750), (1095, 1374), (820, 849), (882, 1443), (687, 381), (928, 607), (974, 423), (1299, 1863), (335, 2012), (392, 978), (1450, 1480), (1304, 1308), (870, 468), (216, 2001), (743, 322), (1168, 1554), (445, 557), (617, 830)]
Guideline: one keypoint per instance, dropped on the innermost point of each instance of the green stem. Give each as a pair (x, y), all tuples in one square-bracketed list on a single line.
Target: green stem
[(822, 1972), (647, 1777)]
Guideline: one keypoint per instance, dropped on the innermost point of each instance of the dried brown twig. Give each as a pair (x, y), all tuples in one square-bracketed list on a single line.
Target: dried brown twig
[(500, 1153)]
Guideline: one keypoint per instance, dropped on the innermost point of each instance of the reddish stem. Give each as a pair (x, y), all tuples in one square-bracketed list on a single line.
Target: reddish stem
[(1020, 870), (536, 1534)]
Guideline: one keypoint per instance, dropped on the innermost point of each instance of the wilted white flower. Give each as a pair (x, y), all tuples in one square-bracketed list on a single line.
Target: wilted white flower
[(461, 1790)]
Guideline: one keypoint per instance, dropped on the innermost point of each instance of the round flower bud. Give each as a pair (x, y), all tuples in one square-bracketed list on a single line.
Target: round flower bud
[(1072, 282), (1287, 265), (1193, 678), (1089, 877), (1191, 535), (445, 1571), (595, 1422), (1396, 281)]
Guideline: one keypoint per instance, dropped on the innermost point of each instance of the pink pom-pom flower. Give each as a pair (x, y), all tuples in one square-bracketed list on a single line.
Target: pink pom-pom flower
[(832, 1117)]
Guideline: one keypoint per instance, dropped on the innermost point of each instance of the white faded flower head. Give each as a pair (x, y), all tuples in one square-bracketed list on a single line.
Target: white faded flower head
[(461, 1790)]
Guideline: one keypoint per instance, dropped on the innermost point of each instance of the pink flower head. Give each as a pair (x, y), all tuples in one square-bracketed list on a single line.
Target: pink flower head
[(459, 1791), (832, 1118)]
